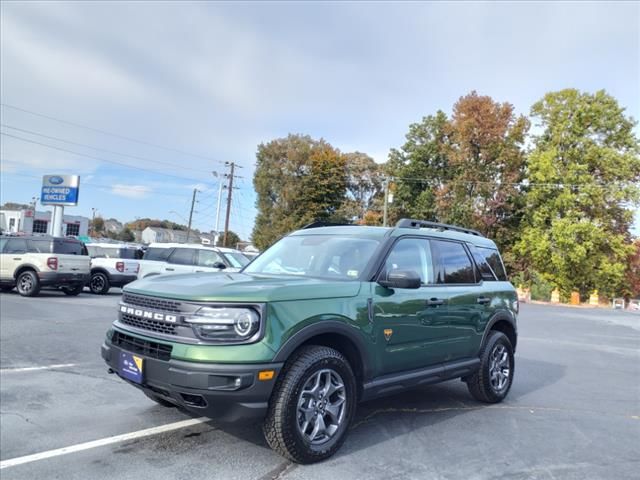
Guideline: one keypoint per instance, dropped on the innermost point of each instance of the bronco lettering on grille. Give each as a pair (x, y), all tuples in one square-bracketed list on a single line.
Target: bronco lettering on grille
[(137, 312)]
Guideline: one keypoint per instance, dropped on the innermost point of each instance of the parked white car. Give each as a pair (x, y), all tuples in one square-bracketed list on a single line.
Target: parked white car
[(112, 265), (166, 258)]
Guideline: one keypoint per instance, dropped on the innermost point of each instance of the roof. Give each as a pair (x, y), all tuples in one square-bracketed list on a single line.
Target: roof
[(381, 232), (187, 245)]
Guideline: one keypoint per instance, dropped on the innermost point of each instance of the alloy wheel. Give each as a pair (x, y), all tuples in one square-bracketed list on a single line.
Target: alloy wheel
[(321, 406), (499, 368)]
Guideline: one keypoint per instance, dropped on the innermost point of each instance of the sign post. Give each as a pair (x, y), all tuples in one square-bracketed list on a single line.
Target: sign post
[(58, 191)]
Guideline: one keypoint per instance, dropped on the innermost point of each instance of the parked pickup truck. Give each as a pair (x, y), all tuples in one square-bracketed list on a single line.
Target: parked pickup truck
[(167, 258), (31, 263), (112, 265)]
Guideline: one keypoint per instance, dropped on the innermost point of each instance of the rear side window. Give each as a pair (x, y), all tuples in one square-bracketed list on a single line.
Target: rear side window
[(236, 260), (453, 264), (486, 272), (69, 247), (16, 245), (40, 246), (183, 256), (157, 254), (129, 253), (495, 262)]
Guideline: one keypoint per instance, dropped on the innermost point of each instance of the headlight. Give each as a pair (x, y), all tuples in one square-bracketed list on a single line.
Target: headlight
[(225, 324)]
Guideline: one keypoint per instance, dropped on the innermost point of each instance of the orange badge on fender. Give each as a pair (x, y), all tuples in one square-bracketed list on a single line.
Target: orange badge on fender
[(387, 333)]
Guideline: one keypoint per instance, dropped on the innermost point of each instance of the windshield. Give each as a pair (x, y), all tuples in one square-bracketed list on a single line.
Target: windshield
[(326, 256), (236, 260)]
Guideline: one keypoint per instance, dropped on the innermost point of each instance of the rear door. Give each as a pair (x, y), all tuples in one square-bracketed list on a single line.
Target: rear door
[(154, 261), (467, 300), (72, 256), (182, 260)]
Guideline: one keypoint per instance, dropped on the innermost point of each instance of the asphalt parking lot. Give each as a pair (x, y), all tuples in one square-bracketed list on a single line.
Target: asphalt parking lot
[(573, 411)]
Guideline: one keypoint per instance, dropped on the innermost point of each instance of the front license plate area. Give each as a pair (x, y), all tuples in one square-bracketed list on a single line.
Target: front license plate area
[(131, 367)]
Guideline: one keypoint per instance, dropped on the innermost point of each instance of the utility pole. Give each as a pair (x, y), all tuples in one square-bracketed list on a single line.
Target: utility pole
[(386, 201), (93, 221), (193, 202), (226, 220), (220, 188)]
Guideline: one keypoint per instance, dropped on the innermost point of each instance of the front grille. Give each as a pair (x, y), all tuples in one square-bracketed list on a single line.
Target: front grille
[(141, 347), (152, 302), (147, 324)]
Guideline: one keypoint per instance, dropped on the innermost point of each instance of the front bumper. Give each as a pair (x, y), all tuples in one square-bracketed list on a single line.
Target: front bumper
[(62, 279), (226, 392)]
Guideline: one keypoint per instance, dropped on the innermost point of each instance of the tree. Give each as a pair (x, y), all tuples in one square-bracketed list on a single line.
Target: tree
[(364, 185), (419, 168), (486, 160), (97, 225), (126, 235), (632, 278), (232, 239), (15, 206), (298, 180), (583, 174)]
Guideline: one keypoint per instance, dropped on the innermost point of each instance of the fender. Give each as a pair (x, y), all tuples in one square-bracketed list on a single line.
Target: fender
[(100, 270), (324, 327), (497, 317), (27, 266)]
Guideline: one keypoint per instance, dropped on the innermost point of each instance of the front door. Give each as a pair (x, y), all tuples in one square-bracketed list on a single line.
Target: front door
[(409, 324)]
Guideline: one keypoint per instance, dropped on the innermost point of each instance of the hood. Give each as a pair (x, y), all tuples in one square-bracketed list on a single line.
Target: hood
[(242, 287)]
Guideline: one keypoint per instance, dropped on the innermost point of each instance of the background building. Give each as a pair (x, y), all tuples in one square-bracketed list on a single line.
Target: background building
[(28, 221)]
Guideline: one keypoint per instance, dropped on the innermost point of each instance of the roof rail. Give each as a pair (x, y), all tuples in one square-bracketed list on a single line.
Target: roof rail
[(320, 223), (413, 223)]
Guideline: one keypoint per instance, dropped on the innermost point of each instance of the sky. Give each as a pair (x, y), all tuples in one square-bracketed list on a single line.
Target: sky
[(145, 100)]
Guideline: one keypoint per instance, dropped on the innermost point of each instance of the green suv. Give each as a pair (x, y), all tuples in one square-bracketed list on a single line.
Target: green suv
[(327, 317)]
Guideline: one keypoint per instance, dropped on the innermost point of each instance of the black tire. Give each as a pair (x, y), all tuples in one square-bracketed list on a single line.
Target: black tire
[(484, 386), (28, 284), (99, 283), (72, 291), (281, 428), (160, 401)]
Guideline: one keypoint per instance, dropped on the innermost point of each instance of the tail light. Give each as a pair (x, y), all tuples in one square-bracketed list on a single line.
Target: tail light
[(52, 263), (120, 266)]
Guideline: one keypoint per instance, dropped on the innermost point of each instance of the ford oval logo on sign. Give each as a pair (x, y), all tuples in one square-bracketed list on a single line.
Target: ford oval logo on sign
[(56, 180)]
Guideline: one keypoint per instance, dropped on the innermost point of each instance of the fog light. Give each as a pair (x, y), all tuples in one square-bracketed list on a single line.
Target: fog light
[(238, 382)]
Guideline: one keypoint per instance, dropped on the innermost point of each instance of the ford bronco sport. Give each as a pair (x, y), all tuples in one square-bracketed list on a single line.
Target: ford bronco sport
[(33, 262), (325, 318)]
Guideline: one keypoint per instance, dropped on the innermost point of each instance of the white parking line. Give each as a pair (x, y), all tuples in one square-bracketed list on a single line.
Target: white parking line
[(34, 369), (12, 462)]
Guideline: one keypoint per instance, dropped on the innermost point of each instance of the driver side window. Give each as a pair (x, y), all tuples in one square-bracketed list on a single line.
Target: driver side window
[(411, 254)]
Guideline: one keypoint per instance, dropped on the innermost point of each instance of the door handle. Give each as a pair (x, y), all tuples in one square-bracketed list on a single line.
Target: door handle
[(18, 258), (199, 271), (483, 300), (434, 302), (169, 269)]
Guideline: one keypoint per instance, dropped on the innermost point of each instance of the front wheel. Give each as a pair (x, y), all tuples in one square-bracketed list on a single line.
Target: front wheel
[(72, 291), (491, 383), (312, 405)]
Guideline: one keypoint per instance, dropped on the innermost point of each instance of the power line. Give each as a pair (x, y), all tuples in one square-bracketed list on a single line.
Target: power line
[(104, 132), (98, 158), (31, 132), (107, 187)]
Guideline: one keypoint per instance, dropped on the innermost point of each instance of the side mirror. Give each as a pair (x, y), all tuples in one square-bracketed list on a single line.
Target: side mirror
[(401, 279), (219, 265)]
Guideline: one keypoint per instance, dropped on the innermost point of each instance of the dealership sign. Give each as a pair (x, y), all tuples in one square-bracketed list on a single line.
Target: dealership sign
[(60, 190)]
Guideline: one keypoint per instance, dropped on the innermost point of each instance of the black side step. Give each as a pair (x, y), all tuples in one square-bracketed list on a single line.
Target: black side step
[(398, 382)]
